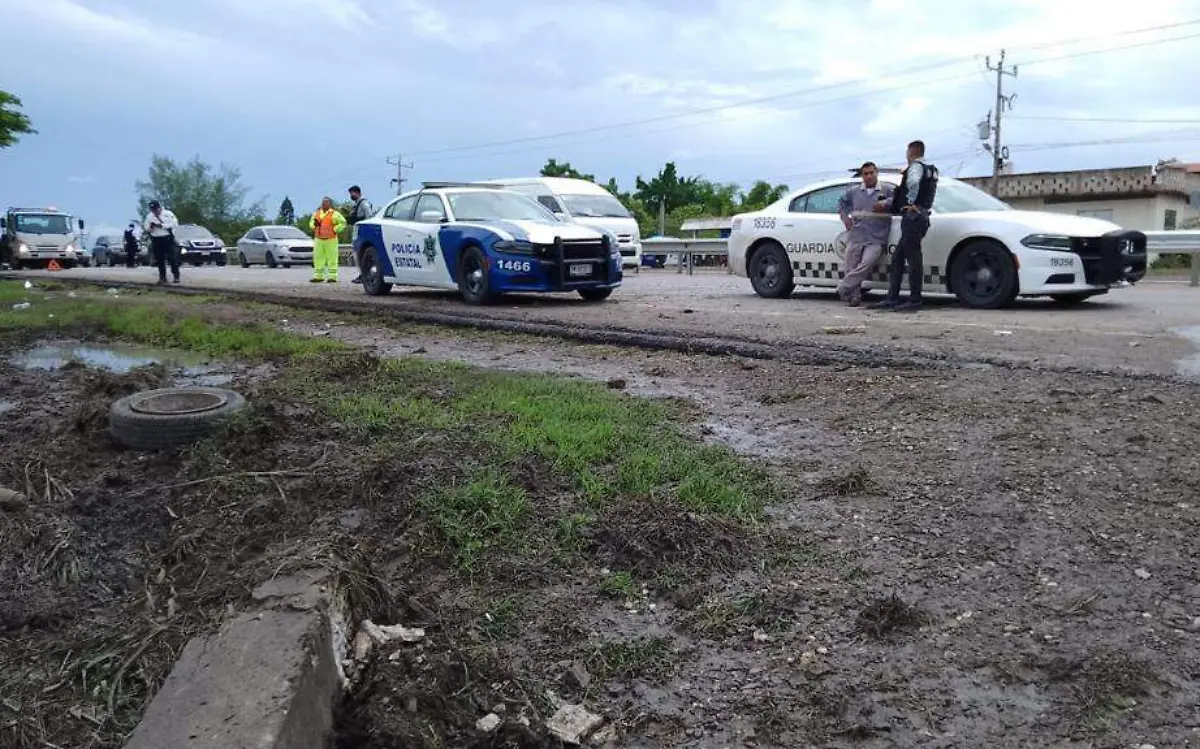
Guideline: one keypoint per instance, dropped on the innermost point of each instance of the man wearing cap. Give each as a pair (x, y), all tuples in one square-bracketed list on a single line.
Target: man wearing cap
[(359, 211), (160, 225)]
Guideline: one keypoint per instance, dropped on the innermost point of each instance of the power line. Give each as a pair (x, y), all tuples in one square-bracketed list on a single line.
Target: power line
[(399, 179), (1127, 120), (817, 89)]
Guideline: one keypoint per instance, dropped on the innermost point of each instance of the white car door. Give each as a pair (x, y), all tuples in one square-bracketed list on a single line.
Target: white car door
[(812, 243), (403, 249)]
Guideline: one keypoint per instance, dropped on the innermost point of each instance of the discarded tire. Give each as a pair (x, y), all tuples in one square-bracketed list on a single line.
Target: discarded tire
[(171, 417)]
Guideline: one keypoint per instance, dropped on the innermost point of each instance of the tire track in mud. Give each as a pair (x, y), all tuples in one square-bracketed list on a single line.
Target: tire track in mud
[(803, 353)]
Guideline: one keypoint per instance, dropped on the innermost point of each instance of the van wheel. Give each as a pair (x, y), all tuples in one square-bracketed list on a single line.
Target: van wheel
[(372, 273), (474, 281), (984, 276), (771, 272)]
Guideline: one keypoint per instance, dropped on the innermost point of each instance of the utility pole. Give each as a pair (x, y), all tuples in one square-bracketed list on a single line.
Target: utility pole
[(399, 179), (999, 154)]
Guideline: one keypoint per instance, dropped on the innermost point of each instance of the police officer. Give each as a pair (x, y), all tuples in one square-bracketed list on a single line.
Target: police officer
[(160, 225), (912, 201), (131, 247), (359, 211)]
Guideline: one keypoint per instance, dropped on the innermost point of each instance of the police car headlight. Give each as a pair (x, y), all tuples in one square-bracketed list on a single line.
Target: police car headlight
[(1052, 242), (516, 245)]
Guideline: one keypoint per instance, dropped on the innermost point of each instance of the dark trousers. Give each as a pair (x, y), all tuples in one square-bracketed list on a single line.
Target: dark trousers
[(163, 249), (131, 256), (913, 227)]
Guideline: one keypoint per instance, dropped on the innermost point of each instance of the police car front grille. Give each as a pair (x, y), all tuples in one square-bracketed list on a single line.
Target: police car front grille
[(582, 250)]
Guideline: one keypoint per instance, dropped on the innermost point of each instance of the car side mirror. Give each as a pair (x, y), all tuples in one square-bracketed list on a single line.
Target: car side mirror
[(3, 223), (432, 217)]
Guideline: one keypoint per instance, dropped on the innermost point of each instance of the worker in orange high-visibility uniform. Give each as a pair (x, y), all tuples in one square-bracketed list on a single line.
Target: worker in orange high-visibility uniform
[(326, 224)]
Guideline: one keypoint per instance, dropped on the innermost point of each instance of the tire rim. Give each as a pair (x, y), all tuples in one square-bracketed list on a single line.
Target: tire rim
[(179, 402), (474, 275), (371, 273), (768, 272), (983, 274)]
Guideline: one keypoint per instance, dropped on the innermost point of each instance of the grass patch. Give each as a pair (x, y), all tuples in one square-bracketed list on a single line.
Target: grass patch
[(650, 657), (619, 585), (483, 515)]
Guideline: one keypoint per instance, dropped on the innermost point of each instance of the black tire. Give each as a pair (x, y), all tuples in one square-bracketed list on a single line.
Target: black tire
[(770, 272), (243, 261), (147, 431), (286, 266), (372, 273), (271, 261), (112, 262), (474, 283), (984, 276), (595, 295)]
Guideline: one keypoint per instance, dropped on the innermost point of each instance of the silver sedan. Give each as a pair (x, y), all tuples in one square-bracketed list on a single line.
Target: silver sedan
[(275, 247)]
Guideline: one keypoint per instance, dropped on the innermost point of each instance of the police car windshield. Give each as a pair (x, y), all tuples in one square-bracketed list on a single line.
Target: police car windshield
[(43, 223), (594, 206), (958, 197), (484, 205)]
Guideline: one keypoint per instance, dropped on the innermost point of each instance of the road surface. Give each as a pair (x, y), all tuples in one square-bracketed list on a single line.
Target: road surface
[(1153, 327)]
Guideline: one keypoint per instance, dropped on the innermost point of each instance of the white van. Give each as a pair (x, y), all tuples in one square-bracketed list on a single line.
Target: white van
[(584, 203)]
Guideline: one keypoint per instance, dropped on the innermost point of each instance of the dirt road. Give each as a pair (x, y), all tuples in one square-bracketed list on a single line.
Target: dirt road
[(1153, 327)]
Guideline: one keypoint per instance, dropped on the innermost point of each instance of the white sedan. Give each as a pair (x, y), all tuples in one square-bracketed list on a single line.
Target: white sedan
[(977, 248), (275, 247)]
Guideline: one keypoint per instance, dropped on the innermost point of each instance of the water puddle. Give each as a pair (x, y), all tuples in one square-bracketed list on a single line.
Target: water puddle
[(120, 359), (1189, 367)]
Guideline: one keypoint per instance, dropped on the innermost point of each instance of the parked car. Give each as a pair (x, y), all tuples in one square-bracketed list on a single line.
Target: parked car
[(483, 241), (198, 245), (274, 247), (978, 248), (109, 249)]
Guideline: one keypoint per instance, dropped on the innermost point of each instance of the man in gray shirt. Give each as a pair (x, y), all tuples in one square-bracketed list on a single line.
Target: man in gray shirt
[(868, 235)]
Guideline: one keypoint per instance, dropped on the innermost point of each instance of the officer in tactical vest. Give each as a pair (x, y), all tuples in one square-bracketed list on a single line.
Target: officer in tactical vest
[(912, 201)]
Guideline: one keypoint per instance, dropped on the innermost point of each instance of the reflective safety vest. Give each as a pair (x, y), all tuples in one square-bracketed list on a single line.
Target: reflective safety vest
[(323, 221)]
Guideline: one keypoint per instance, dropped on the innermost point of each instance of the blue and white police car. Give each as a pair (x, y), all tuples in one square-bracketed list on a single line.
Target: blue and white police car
[(483, 241)]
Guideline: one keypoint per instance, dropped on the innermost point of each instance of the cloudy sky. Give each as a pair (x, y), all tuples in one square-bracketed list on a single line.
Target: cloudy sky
[(308, 96)]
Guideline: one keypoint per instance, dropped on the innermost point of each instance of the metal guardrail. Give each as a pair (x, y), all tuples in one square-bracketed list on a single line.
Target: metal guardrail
[(686, 248), (1177, 242)]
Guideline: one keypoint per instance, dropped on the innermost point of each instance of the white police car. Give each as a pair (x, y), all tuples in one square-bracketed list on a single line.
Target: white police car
[(977, 248), (483, 241)]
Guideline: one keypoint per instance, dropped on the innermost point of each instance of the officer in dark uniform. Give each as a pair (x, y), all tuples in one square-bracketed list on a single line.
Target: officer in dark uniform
[(912, 201), (131, 248)]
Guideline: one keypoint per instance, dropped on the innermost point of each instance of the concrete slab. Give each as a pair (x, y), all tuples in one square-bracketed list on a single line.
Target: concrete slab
[(266, 680)]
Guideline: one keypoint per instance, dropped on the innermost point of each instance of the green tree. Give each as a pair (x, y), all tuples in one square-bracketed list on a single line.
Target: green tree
[(199, 194), (13, 123), (287, 212), (761, 195), (555, 169)]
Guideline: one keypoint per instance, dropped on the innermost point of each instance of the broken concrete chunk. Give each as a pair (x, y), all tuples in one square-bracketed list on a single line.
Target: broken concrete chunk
[(385, 634), (573, 723), (488, 723), (363, 643), (12, 500)]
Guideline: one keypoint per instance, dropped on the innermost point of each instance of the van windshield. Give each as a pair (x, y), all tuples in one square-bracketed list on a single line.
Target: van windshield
[(594, 206), (43, 223)]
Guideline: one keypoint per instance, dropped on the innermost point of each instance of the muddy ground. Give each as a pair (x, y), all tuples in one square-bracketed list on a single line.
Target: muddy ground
[(972, 557)]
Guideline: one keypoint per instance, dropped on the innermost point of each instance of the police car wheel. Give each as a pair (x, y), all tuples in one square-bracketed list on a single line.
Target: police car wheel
[(372, 274), (271, 261), (473, 281), (771, 272), (242, 259), (983, 276), (595, 295)]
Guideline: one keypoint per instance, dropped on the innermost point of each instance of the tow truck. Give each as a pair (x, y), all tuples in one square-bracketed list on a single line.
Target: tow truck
[(32, 237)]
